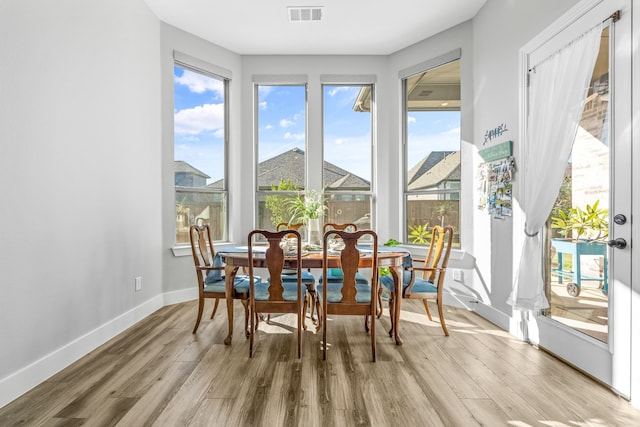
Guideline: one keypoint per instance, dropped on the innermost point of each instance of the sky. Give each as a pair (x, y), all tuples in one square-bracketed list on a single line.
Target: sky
[(199, 125)]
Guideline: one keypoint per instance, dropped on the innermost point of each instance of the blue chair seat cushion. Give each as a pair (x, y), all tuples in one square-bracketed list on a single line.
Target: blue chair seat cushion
[(240, 284), (334, 292), (307, 278), (290, 292), (336, 275), (420, 285)]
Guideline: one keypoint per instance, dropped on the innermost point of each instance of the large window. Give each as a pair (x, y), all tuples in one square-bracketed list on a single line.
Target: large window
[(199, 152), (281, 122), (347, 152), (283, 163), (432, 151)]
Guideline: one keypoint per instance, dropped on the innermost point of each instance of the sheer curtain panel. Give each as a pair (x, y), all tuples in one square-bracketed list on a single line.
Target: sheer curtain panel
[(558, 87)]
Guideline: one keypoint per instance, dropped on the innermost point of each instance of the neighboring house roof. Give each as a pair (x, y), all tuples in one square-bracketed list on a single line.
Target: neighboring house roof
[(290, 165), (437, 167), (182, 166)]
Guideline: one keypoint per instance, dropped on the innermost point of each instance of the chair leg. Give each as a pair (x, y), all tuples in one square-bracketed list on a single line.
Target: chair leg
[(322, 320), (366, 323), (215, 307), (245, 303), (373, 337), (426, 308), (312, 303), (392, 312), (318, 313), (441, 314), (300, 319), (304, 310), (254, 320), (200, 309), (379, 303)]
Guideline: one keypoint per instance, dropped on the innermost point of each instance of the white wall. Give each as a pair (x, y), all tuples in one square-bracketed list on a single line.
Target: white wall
[(79, 178)]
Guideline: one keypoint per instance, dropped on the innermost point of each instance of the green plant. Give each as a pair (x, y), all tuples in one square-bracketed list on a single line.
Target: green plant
[(419, 234), (384, 271), (310, 205), (590, 223), (278, 203)]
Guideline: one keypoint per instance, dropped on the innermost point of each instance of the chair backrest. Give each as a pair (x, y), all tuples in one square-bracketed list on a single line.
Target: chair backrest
[(349, 261), (439, 250), (286, 226), (274, 261), (201, 249), (346, 226)]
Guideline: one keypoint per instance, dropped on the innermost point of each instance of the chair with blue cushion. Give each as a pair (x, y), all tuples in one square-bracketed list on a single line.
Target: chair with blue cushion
[(335, 274), (307, 278), (211, 281), (275, 295), (428, 284), (347, 296)]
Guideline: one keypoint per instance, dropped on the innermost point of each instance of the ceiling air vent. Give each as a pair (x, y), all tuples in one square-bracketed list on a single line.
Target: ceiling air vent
[(304, 14)]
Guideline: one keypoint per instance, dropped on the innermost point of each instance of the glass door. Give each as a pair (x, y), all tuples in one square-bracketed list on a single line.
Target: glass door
[(588, 251)]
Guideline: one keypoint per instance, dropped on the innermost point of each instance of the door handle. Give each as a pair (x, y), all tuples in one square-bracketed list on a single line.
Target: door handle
[(618, 243)]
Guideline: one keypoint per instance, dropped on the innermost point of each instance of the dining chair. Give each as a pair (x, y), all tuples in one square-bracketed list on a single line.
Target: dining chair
[(428, 284), (308, 279), (347, 296), (335, 274), (211, 281), (275, 295)]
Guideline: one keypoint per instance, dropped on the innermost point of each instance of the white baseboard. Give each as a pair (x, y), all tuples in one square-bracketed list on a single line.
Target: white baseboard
[(30, 376), (494, 316)]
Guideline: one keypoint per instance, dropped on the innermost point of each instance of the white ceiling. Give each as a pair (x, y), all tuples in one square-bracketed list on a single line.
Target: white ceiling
[(348, 27)]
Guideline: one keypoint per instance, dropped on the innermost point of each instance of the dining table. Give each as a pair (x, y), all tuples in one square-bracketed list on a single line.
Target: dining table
[(393, 258)]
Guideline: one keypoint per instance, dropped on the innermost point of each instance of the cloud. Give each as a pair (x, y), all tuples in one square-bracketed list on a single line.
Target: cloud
[(268, 127), (199, 83), (262, 105), (202, 118), (294, 136), (411, 119), (285, 123), (336, 90)]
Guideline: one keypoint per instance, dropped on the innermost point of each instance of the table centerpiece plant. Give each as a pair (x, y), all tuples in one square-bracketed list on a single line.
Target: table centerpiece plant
[(309, 209)]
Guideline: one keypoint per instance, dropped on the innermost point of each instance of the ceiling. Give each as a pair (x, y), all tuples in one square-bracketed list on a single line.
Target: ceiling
[(347, 27)]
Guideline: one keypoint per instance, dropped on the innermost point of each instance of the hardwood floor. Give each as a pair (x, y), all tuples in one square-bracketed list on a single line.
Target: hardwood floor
[(158, 374)]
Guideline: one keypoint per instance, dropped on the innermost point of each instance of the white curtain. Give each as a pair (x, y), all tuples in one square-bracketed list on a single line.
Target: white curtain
[(558, 88)]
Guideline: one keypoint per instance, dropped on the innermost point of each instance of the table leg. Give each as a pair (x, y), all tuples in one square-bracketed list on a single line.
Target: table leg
[(396, 273), (230, 275)]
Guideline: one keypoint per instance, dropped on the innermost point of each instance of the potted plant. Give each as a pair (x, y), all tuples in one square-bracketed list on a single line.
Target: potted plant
[(584, 232), (590, 224), (308, 208)]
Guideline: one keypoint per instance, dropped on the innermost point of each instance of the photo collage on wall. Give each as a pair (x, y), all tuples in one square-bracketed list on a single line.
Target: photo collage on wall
[(495, 185)]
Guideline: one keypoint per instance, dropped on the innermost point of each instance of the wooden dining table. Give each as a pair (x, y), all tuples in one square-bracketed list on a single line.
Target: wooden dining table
[(237, 257)]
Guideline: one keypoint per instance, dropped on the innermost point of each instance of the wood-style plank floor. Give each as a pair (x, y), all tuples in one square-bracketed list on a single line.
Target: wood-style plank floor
[(158, 374)]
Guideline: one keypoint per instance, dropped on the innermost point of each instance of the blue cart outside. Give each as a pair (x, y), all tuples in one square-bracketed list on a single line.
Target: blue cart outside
[(576, 249)]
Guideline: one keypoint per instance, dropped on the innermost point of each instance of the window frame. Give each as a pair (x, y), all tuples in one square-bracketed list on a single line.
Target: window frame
[(354, 81), (281, 81), (404, 75), (197, 66)]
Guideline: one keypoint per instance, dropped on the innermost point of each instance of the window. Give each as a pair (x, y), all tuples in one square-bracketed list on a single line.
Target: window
[(200, 113), (281, 123), (283, 167), (432, 151), (347, 144)]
